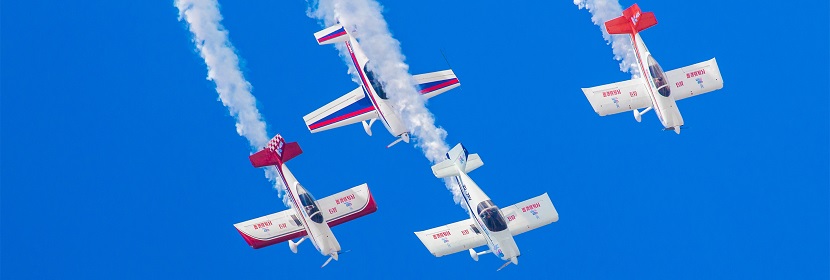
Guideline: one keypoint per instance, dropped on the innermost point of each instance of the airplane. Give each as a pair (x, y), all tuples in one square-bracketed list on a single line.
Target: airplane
[(487, 224), (369, 102), (308, 217), (655, 89)]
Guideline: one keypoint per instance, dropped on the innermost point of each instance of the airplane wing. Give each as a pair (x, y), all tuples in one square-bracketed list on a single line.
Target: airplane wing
[(695, 79), (435, 83), (618, 97), (271, 229), (530, 214), (452, 238), (283, 226), (347, 205), (348, 109)]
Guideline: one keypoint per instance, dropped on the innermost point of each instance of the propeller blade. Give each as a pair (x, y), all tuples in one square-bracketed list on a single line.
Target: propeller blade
[(327, 262), (504, 265)]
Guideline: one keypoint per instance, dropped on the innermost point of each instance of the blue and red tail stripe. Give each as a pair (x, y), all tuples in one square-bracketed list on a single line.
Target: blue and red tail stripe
[(436, 85), (355, 109), (335, 34)]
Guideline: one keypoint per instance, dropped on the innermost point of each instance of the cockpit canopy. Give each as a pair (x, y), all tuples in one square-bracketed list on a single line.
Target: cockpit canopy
[(658, 77), (375, 83), (309, 205), (491, 216)]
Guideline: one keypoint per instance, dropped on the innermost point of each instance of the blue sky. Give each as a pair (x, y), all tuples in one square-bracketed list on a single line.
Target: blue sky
[(117, 160)]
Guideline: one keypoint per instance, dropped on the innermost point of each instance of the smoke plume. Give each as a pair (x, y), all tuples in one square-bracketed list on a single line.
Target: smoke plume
[(204, 21)]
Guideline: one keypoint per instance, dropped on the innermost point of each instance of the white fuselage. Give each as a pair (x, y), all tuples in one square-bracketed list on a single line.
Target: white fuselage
[(385, 110), (665, 107), (501, 243), (319, 233)]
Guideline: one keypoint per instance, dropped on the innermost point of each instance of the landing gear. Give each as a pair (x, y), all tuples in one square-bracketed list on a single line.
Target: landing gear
[(638, 115), (293, 246), (367, 126)]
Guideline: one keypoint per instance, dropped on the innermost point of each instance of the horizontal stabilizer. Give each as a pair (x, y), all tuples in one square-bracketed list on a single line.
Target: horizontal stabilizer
[(276, 152), (632, 21), (457, 159), (435, 83), (333, 34)]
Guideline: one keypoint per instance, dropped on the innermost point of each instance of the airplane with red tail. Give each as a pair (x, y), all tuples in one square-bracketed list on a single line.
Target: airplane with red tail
[(656, 89), (308, 218)]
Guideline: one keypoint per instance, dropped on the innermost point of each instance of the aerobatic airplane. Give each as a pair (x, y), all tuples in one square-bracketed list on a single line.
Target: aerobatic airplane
[(656, 89), (308, 218), (487, 224), (369, 102)]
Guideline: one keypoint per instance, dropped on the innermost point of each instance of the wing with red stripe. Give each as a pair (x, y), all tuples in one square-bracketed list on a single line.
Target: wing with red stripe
[(351, 108), (435, 83)]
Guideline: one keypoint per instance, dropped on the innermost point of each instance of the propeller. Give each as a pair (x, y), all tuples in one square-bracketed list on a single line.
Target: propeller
[(504, 265), (333, 256), (327, 262), (514, 260)]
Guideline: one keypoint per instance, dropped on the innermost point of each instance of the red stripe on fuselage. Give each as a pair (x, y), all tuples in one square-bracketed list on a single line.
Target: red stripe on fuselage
[(296, 206), (365, 84)]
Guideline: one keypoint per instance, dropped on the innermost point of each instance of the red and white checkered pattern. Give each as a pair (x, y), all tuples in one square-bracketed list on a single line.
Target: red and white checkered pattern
[(276, 144)]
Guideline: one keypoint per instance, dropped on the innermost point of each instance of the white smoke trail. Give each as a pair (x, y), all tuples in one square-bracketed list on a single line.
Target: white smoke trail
[(605, 10), (211, 39), (388, 63)]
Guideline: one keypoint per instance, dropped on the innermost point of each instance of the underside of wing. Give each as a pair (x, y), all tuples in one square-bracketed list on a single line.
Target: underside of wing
[(618, 97), (347, 205), (271, 229), (348, 109), (695, 79), (435, 83), (452, 238), (530, 214)]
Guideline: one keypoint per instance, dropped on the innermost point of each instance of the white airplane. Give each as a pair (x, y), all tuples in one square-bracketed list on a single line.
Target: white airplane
[(308, 217), (487, 225), (656, 89), (369, 102)]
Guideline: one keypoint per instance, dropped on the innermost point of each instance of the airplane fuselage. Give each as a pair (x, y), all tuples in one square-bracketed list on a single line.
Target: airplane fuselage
[(316, 227), (385, 110), (664, 105), (500, 242)]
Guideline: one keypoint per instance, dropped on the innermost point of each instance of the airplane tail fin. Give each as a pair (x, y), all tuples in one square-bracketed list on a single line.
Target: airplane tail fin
[(632, 21), (276, 152), (333, 34), (457, 159)]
